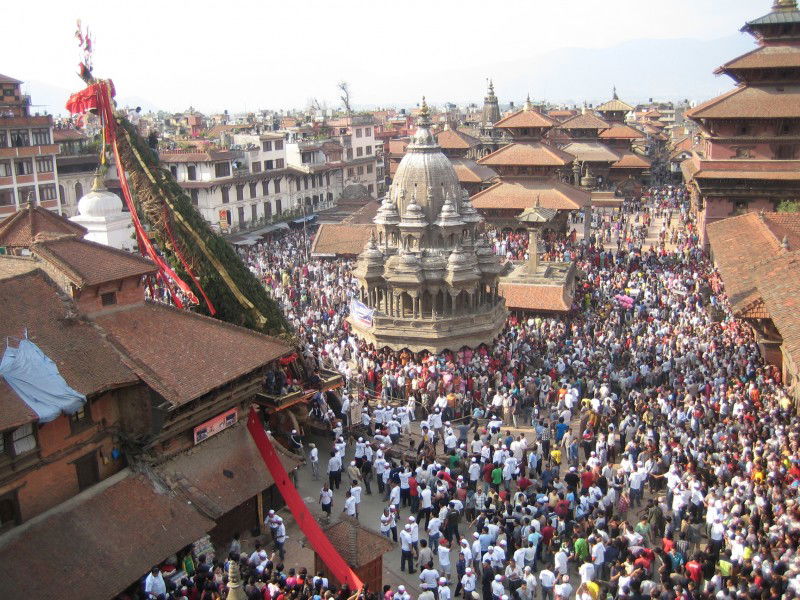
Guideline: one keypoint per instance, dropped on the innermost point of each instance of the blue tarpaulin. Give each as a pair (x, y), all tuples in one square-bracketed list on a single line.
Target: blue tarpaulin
[(35, 379)]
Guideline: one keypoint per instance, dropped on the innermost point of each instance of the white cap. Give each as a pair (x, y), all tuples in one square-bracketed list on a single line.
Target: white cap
[(401, 588), (352, 463), (468, 570), (498, 577), (412, 519), (502, 542), (271, 513), (361, 439), (408, 527), (442, 580)]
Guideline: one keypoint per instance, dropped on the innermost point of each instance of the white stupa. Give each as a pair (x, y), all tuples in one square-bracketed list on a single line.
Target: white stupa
[(100, 211)]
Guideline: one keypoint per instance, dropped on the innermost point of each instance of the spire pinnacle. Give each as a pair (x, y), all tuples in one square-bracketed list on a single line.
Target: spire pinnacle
[(615, 93), (423, 109), (528, 103), (491, 87), (784, 5)]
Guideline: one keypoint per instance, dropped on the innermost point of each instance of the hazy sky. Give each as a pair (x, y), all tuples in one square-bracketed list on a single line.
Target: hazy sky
[(238, 55)]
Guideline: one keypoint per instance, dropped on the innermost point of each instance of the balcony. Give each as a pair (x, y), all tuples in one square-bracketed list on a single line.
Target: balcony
[(330, 381)]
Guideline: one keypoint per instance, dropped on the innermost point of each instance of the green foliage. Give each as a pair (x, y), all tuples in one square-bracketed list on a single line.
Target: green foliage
[(789, 206), (150, 200)]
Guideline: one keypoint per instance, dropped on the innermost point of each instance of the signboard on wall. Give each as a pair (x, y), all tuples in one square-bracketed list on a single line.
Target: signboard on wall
[(223, 220), (216, 424)]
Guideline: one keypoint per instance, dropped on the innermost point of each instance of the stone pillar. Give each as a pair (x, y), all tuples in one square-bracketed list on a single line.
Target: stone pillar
[(533, 250), (587, 221)]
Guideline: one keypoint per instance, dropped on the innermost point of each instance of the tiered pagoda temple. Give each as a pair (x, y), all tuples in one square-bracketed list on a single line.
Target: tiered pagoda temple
[(748, 156)]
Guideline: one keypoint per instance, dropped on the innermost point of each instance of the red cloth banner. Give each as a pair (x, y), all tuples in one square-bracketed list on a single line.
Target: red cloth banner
[(308, 524)]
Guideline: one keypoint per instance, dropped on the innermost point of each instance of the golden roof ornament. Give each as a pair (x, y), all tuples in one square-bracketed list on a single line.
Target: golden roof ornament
[(235, 590), (785, 5)]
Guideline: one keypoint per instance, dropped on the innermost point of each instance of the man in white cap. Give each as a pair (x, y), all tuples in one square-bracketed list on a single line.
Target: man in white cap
[(498, 589), (295, 442), (406, 553), (280, 537), (401, 593), (443, 591), (313, 459), (468, 582)]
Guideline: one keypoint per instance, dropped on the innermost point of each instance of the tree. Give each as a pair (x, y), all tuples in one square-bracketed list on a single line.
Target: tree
[(344, 88), (789, 206)]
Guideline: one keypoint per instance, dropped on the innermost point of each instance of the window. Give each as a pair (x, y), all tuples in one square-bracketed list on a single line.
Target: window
[(86, 470), (254, 212), (44, 164), (256, 166), (319, 180), (370, 188), (225, 197), (359, 151), (367, 131), (5, 168), (195, 194), (47, 192), (10, 515), (351, 172), (368, 149), (278, 144), (266, 146), (279, 163), (358, 132), (278, 207), (241, 215), (108, 299), (240, 192), (41, 137), (786, 152), (20, 137), (61, 193), (174, 170), (349, 154), (27, 194), (305, 182), (269, 165), (81, 419), (23, 440), (222, 169), (6, 197), (191, 172), (265, 187), (327, 178), (3, 139), (254, 189), (78, 191), (23, 167), (277, 186), (360, 169), (369, 168), (267, 210)]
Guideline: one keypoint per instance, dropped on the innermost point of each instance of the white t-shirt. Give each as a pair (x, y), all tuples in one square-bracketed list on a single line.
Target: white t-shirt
[(350, 506), (326, 496)]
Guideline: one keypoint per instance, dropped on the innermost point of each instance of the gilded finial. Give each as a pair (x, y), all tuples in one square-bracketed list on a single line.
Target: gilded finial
[(785, 5), (491, 87), (615, 93), (528, 103), (423, 109)]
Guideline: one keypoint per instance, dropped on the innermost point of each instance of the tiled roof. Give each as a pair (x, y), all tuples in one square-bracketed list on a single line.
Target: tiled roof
[(585, 120), (522, 193), (88, 263), (629, 160), (615, 105), (763, 102), (534, 297), (525, 118), (19, 229), (527, 154), (763, 170), (183, 355), (341, 239), (592, 152), (468, 171), (98, 544), (13, 410), (358, 545), (561, 115), (63, 135), (7, 79), (738, 243), (32, 302), (774, 57), (618, 131), (775, 17), (779, 285), (452, 139), (193, 157), (219, 472)]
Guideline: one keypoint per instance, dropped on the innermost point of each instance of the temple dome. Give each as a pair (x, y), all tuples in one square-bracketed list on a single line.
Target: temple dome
[(425, 170), (100, 202)]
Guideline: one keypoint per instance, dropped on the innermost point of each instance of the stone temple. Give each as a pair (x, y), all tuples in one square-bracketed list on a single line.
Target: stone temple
[(427, 274)]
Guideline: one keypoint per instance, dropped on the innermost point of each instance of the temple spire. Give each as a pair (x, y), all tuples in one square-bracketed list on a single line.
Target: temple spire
[(528, 103), (615, 97)]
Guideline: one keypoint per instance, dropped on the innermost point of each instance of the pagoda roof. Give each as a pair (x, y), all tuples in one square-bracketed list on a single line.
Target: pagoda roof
[(765, 57), (591, 152), (585, 120), (761, 102), (519, 193), (21, 228), (619, 131), (527, 154), (629, 160), (453, 139), (761, 170), (615, 105), (7, 79), (529, 118), (776, 17), (468, 171)]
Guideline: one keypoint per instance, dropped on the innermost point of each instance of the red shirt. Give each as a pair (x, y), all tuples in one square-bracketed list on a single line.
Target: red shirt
[(547, 533), (694, 570), (587, 479), (412, 485)]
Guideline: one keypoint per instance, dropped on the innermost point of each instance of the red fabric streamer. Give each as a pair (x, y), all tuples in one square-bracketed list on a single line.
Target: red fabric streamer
[(308, 524), (185, 263), (288, 359), (98, 96)]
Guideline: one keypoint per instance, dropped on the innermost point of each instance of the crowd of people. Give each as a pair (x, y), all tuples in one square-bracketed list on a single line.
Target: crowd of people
[(638, 447)]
